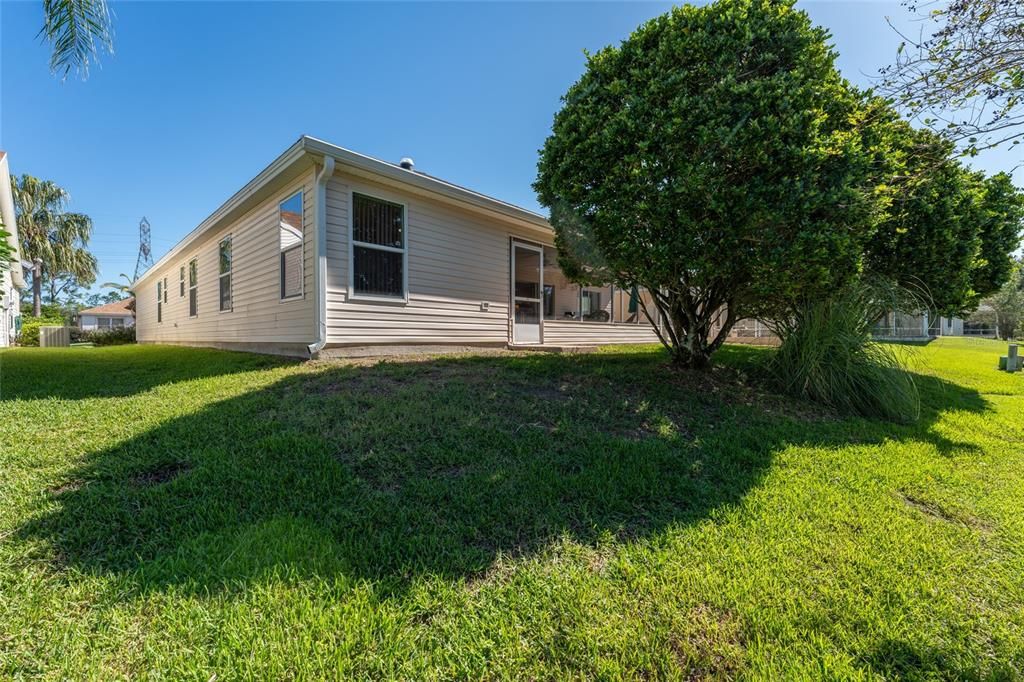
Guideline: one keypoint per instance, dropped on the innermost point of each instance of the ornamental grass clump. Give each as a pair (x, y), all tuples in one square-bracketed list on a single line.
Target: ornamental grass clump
[(827, 355)]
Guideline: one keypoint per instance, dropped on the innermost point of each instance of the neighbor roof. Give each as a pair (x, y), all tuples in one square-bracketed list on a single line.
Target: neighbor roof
[(307, 146), (115, 308)]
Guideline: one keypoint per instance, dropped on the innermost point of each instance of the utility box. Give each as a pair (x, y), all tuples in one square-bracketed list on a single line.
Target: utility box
[(1011, 362), (54, 337)]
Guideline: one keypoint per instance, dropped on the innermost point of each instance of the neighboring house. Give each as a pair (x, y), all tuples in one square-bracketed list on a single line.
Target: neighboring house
[(327, 249), (12, 279), (895, 325), (108, 316)]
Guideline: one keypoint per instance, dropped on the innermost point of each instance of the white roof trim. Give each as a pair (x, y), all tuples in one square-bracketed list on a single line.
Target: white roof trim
[(309, 145), (427, 182)]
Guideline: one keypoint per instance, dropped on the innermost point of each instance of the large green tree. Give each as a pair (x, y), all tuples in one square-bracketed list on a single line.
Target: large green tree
[(714, 159), (1002, 222), (52, 238), (948, 232)]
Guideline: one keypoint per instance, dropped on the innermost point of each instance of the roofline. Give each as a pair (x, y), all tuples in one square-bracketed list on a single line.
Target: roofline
[(427, 182), (287, 158), (92, 311), (10, 222), (307, 145)]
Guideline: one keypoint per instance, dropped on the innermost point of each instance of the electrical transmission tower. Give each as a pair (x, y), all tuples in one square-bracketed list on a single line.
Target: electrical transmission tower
[(145, 259)]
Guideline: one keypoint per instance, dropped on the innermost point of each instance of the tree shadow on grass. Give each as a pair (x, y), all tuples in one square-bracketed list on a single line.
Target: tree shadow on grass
[(397, 470), (113, 372), (904, 660)]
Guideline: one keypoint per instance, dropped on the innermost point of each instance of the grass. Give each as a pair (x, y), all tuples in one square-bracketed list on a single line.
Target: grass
[(182, 513)]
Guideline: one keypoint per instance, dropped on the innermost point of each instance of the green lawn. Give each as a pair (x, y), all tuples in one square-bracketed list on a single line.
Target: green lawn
[(182, 513)]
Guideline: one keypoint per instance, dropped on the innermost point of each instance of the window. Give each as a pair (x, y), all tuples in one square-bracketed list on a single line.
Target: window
[(165, 290), (193, 288), (596, 304), (104, 322), (117, 323), (225, 274), (378, 247), (290, 227), (159, 303), (181, 282)]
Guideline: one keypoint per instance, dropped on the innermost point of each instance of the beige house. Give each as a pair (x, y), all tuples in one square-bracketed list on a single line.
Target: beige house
[(330, 250), (107, 316)]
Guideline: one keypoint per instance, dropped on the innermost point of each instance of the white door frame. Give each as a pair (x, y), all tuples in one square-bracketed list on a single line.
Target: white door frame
[(521, 333)]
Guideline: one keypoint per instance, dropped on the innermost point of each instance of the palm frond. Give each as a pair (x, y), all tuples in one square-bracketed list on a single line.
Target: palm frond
[(76, 30)]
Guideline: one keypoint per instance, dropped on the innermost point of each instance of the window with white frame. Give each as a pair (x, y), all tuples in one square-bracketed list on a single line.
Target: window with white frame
[(104, 322), (193, 288), (165, 290), (181, 282), (378, 247), (159, 303), (225, 273), (117, 323), (291, 238)]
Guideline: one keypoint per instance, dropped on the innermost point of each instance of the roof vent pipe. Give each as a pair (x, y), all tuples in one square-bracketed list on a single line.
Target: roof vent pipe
[(406, 163)]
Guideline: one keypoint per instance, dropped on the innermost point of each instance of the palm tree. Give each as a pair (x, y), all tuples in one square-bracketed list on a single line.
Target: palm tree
[(76, 30), (124, 289), (54, 240)]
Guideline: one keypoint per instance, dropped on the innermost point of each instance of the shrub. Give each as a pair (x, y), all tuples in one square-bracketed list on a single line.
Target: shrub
[(29, 335), (827, 356), (714, 159), (110, 337)]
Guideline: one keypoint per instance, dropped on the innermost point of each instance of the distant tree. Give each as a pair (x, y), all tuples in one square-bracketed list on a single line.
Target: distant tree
[(713, 159), (964, 77), (122, 290), (77, 30), (97, 299), (53, 239), (1004, 310), (64, 288)]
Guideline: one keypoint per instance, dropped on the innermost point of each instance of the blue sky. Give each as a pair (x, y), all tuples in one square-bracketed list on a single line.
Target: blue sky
[(200, 96)]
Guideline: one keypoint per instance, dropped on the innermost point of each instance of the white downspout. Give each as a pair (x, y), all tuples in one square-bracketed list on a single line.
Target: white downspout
[(320, 258)]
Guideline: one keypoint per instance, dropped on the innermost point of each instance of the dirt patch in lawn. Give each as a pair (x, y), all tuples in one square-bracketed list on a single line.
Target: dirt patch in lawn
[(67, 487), (161, 474), (937, 512), (713, 646)]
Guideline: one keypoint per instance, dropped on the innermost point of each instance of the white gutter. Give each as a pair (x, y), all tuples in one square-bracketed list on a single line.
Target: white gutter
[(320, 258)]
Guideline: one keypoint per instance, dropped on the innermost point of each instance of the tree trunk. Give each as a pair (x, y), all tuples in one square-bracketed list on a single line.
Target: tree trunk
[(696, 359), (37, 288)]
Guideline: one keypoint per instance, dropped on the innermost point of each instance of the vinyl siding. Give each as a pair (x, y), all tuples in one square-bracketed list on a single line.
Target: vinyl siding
[(258, 315), (575, 333), (457, 260)]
